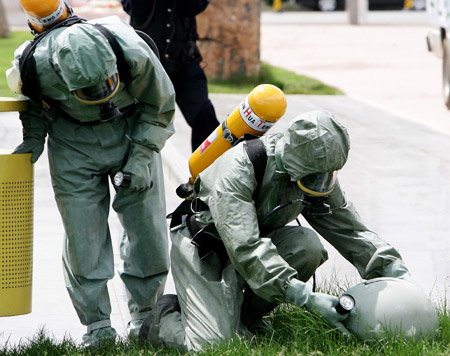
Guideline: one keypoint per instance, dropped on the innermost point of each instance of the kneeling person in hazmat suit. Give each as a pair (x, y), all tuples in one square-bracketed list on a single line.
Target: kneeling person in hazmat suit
[(100, 93), (263, 261)]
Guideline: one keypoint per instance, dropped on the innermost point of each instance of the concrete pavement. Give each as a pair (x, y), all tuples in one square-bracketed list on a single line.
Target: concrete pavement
[(384, 62), (396, 174)]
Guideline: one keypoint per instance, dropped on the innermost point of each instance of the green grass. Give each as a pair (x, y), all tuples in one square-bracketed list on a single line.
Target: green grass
[(287, 81), (294, 332), (8, 46)]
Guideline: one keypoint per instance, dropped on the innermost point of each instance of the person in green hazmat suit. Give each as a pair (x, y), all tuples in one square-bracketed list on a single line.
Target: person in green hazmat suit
[(98, 124), (266, 262)]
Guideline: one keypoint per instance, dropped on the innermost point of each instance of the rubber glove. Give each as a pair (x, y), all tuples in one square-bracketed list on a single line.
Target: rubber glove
[(33, 145), (138, 165), (35, 129), (300, 293)]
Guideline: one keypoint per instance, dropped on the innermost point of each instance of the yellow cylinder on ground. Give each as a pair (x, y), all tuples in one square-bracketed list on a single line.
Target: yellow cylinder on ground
[(16, 233), (256, 114)]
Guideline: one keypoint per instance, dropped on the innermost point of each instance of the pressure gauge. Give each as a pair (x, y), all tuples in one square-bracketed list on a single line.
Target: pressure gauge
[(345, 304)]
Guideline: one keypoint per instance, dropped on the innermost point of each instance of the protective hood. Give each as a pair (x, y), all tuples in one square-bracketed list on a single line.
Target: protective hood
[(314, 142), (84, 57)]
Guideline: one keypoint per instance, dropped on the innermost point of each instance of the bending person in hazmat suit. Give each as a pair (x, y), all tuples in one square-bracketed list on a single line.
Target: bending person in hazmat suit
[(263, 261), (107, 105)]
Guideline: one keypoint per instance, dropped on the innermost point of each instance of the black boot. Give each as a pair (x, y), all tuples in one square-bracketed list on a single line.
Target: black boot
[(150, 327)]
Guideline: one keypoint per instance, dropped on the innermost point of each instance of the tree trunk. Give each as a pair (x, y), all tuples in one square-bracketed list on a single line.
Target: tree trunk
[(229, 38), (4, 28)]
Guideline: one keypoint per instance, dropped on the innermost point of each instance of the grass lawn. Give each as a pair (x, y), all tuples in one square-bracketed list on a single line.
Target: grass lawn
[(8, 46), (287, 81), (294, 332)]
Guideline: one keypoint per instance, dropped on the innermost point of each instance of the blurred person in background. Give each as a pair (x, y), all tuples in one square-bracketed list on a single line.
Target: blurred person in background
[(173, 27)]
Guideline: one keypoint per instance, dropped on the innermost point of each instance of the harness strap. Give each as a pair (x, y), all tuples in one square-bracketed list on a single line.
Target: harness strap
[(184, 209), (206, 242), (258, 156), (27, 64), (187, 207), (122, 64)]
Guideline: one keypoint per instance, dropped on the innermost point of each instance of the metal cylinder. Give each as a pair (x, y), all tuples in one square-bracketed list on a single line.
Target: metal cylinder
[(16, 233), (255, 115)]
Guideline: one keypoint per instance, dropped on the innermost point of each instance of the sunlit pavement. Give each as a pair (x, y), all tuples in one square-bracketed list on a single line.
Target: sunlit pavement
[(397, 176)]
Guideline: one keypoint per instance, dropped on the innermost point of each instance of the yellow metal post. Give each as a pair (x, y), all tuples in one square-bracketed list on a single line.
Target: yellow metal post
[(16, 226), (13, 104)]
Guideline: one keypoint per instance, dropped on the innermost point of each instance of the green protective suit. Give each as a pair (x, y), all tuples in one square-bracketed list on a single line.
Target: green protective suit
[(265, 259), (84, 157)]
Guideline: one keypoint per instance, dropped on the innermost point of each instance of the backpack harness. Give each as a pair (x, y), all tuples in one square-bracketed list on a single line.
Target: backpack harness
[(204, 237)]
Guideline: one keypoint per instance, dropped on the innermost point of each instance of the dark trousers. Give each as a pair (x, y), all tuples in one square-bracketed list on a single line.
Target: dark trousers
[(191, 91)]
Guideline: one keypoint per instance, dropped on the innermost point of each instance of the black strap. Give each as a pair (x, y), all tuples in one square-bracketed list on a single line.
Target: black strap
[(202, 238), (187, 207), (184, 209), (149, 41), (205, 241), (258, 156), (27, 65), (122, 64)]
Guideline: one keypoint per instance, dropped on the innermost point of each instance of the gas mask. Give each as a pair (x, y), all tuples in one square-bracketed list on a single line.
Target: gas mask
[(101, 95), (317, 187)]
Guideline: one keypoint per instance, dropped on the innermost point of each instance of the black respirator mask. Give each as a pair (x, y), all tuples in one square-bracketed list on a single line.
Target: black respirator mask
[(316, 187), (101, 95)]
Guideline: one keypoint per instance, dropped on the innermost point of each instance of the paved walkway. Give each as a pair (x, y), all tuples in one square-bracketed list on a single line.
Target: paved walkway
[(384, 62), (396, 176)]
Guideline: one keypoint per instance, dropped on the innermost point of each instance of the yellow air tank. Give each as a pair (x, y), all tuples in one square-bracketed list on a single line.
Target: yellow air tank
[(256, 114)]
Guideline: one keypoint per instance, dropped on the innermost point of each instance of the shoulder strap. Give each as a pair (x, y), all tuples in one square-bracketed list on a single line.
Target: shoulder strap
[(122, 65), (258, 156), (28, 74), (27, 64), (149, 41)]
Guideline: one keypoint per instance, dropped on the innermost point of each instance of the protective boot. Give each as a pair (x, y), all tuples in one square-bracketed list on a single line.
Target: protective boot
[(135, 324), (150, 327), (97, 336), (253, 311)]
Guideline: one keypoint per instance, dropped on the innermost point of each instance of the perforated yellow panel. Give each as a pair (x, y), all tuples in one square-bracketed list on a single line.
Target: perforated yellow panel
[(16, 234)]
